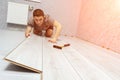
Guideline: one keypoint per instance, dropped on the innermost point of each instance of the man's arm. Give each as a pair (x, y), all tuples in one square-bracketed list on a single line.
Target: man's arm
[(57, 33), (28, 31)]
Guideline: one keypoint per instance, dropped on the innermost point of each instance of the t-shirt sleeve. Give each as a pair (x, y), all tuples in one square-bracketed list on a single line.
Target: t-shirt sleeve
[(30, 22), (50, 20)]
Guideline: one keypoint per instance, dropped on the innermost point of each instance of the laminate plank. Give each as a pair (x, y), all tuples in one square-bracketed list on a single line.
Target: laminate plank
[(81, 65), (8, 41), (28, 54), (107, 61), (55, 64)]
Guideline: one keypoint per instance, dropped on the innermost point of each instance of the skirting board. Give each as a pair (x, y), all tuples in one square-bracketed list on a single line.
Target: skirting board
[(27, 54)]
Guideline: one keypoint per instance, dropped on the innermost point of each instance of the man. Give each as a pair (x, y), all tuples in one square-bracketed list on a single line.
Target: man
[(40, 23)]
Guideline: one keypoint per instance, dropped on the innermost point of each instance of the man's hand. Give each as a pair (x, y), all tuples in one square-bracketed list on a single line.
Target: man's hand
[(53, 40), (28, 31), (27, 35)]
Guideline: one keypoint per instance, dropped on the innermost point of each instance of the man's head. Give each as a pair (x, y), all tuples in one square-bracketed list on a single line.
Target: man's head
[(38, 17)]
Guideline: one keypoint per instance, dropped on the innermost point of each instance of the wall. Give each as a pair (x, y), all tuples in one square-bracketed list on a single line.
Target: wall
[(65, 11), (99, 23), (3, 13)]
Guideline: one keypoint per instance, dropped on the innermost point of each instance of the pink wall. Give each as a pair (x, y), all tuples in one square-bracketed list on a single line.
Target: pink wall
[(99, 22)]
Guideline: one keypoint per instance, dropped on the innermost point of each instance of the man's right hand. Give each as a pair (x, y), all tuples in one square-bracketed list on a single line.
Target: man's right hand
[(27, 35), (28, 31)]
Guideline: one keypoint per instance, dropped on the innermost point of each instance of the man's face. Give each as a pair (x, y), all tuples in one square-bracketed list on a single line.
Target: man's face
[(38, 20)]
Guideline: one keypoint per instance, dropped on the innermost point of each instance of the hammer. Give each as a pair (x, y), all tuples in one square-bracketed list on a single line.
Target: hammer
[(60, 47)]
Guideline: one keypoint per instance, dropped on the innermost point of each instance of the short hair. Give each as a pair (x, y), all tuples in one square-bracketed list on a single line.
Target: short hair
[(38, 12)]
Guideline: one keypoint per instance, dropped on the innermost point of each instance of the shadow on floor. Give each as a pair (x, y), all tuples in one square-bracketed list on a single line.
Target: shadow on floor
[(15, 68)]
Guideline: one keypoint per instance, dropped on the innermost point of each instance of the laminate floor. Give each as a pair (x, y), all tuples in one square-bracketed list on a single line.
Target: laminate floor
[(79, 61), (9, 40)]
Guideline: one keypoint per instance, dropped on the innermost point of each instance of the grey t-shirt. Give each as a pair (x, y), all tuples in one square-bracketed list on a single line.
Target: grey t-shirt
[(48, 23)]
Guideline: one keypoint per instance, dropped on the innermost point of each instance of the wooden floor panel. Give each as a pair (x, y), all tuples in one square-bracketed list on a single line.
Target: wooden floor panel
[(79, 61), (81, 65), (55, 64), (106, 61), (28, 54), (9, 39)]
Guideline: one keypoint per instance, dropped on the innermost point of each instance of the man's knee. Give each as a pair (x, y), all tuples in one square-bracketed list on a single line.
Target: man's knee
[(49, 33)]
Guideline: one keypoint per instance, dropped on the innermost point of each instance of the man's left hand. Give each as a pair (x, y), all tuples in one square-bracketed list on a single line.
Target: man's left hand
[(53, 40)]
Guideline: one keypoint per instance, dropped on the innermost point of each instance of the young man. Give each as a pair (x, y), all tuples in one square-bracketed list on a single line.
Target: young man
[(42, 22)]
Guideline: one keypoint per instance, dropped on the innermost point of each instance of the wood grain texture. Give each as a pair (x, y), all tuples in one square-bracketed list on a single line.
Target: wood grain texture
[(103, 62), (8, 41), (28, 54), (79, 61), (55, 65)]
